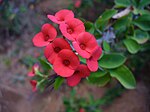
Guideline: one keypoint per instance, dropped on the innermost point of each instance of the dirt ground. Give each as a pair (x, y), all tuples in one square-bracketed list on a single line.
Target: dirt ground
[(15, 91)]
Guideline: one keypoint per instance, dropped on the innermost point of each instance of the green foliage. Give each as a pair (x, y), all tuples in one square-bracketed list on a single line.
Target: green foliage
[(122, 3), (100, 81), (125, 77), (132, 46), (103, 20), (58, 82), (106, 46), (75, 103), (123, 22), (143, 22), (143, 3), (45, 65), (140, 36), (112, 60), (89, 27)]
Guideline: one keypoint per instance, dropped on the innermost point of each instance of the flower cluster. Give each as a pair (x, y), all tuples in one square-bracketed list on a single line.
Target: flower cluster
[(63, 52)]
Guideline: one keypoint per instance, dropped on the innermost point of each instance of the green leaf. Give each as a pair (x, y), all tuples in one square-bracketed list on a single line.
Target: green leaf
[(132, 46), (89, 27), (42, 84), (102, 21), (143, 22), (83, 60), (123, 22), (98, 73), (111, 61), (58, 82), (122, 3), (144, 3), (108, 14), (46, 66), (140, 36), (100, 81), (106, 46), (124, 76)]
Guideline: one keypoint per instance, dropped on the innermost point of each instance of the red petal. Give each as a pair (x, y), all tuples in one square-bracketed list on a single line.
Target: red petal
[(48, 51), (63, 29), (61, 43), (38, 40), (69, 55), (33, 83), (73, 23), (50, 54), (61, 69), (97, 53), (73, 80), (61, 16), (92, 65), (76, 25), (49, 30), (54, 19), (31, 74), (83, 71), (81, 52), (64, 14), (87, 39)]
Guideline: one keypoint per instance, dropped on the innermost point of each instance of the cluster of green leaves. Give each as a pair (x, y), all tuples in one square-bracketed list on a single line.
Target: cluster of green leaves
[(75, 103), (131, 32)]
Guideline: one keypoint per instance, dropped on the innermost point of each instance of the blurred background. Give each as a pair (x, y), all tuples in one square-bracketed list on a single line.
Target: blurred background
[(20, 20)]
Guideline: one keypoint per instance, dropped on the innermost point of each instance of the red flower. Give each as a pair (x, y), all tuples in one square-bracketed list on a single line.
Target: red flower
[(85, 44), (34, 84), (81, 72), (82, 110), (48, 33), (61, 16), (65, 63), (72, 28), (77, 3), (92, 61), (52, 50), (33, 71)]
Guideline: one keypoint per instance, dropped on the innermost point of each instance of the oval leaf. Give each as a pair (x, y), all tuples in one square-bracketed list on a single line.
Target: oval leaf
[(132, 46), (111, 60), (100, 81), (143, 22), (122, 3), (98, 73), (124, 76), (140, 36)]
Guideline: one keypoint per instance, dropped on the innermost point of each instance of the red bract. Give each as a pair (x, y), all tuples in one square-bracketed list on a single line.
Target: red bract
[(77, 3), (61, 16), (52, 50), (48, 33), (72, 28), (92, 61), (33, 71), (85, 44), (82, 110), (65, 63), (34, 84), (81, 72)]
